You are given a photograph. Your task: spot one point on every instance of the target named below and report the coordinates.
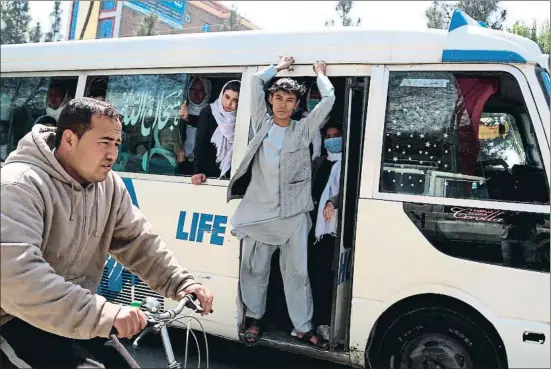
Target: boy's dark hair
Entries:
(55, 85)
(45, 119)
(77, 116)
(289, 86)
(234, 86)
(332, 124)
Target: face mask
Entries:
(312, 104)
(333, 145)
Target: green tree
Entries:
(233, 22)
(14, 21)
(439, 14)
(147, 26)
(36, 33)
(343, 9)
(540, 36)
(55, 17)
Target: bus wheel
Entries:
(435, 338)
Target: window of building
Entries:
(205, 27)
(188, 18)
(156, 139)
(26, 101)
(105, 28)
(460, 135)
(107, 6)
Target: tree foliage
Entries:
(36, 33)
(14, 22)
(147, 26)
(55, 18)
(343, 9)
(439, 14)
(540, 36)
(233, 22)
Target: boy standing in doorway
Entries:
(274, 181)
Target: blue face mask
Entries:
(312, 104)
(333, 145)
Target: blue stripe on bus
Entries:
(130, 188)
(481, 56)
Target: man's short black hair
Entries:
(289, 86)
(77, 116)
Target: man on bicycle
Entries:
(63, 211)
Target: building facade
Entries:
(108, 19)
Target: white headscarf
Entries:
(195, 108)
(54, 113)
(331, 189)
(222, 137)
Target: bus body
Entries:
(445, 165)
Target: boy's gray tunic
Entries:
(274, 180)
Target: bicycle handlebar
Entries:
(172, 313)
(155, 318)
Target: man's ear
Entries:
(297, 104)
(270, 99)
(69, 140)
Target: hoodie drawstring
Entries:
(96, 204)
(72, 215)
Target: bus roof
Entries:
(465, 41)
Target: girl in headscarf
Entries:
(215, 131)
(198, 97)
(326, 176)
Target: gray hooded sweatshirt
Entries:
(55, 238)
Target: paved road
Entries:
(224, 354)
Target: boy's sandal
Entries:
(320, 343)
(252, 332)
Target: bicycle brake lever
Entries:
(143, 333)
(193, 306)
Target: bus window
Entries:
(26, 101)
(468, 136)
(158, 132)
(461, 136)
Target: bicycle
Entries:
(157, 324)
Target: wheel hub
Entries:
(435, 351)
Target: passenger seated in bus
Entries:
(274, 180)
(46, 120)
(98, 89)
(57, 98)
(326, 174)
(214, 140)
(162, 158)
(198, 98)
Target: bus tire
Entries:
(435, 338)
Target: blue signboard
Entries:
(170, 12)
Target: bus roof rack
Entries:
(472, 41)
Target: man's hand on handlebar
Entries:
(203, 295)
(129, 322)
